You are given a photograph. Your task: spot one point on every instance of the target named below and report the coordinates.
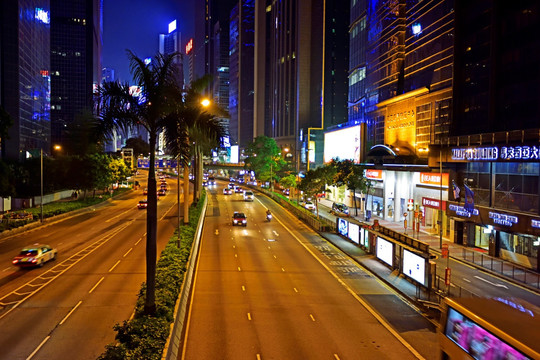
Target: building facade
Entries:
(25, 81)
(76, 31)
(241, 73)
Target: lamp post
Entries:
(440, 197)
(41, 166)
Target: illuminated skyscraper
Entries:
(76, 43)
(25, 90)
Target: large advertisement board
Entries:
(343, 144)
(385, 251)
(343, 227)
(354, 233)
(414, 266)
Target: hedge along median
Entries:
(144, 337)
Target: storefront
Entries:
(510, 236)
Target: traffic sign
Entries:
(447, 277)
(445, 251)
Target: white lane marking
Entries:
(6, 269)
(312, 318)
(282, 269)
(258, 356)
(128, 252)
(121, 214)
(271, 240)
(491, 283)
(275, 233)
(111, 269)
(71, 312)
(95, 286)
(467, 280)
(336, 357)
(249, 316)
(372, 311)
(243, 288)
(234, 246)
(295, 289)
(235, 255)
(39, 347)
(239, 269)
(138, 241)
(275, 257)
(217, 232)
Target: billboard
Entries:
(385, 251)
(414, 266)
(343, 227)
(343, 144)
(354, 233)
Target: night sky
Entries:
(136, 25)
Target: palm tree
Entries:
(119, 109)
(194, 127)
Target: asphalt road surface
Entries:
(276, 290)
(67, 308)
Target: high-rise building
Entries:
(25, 83)
(220, 91)
(171, 43)
(301, 61)
(241, 73)
(76, 43)
(108, 74)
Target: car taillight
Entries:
(34, 260)
(15, 261)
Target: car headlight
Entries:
(244, 221)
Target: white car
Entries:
(309, 205)
(248, 195)
(34, 255)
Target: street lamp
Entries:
(41, 202)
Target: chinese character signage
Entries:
(497, 153)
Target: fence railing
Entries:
(502, 267)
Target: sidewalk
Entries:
(472, 256)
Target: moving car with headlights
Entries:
(211, 181)
(162, 192)
(239, 218)
(248, 195)
(34, 255)
(238, 189)
(143, 204)
(227, 191)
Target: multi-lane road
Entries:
(67, 308)
(276, 290)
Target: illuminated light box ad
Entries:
(343, 144)
(385, 251)
(363, 237)
(414, 266)
(343, 227)
(354, 233)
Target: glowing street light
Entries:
(205, 102)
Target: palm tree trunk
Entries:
(151, 232)
(186, 194)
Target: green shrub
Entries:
(144, 336)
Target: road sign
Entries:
(447, 276)
(445, 251)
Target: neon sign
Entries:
(502, 219)
(461, 211)
(189, 46)
(493, 153)
(535, 223)
(42, 15)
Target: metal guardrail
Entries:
(174, 341)
(502, 267)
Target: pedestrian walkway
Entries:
(472, 256)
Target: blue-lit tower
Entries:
(25, 91)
